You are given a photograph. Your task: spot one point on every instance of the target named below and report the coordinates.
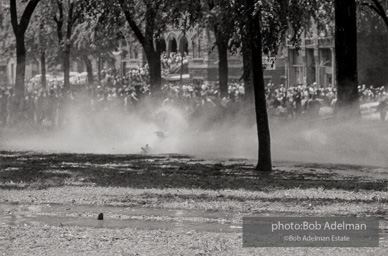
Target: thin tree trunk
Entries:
(347, 105)
(222, 48)
(43, 68)
(89, 69)
(99, 69)
(222, 41)
(146, 39)
(20, 74)
(19, 29)
(263, 132)
(182, 52)
(66, 67)
(247, 73)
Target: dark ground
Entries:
(171, 204)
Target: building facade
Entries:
(314, 62)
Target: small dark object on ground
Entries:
(100, 216)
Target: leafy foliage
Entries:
(372, 15)
(40, 36)
(282, 20)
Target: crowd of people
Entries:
(300, 100)
(134, 77)
(171, 64)
(127, 95)
(174, 63)
(50, 105)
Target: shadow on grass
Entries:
(21, 170)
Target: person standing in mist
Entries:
(382, 108)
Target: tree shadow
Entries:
(22, 170)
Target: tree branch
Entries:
(377, 8)
(60, 7)
(132, 23)
(59, 21)
(28, 11)
(382, 12)
(371, 6)
(70, 21)
(76, 16)
(14, 16)
(75, 11)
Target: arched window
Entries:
(183, 45)
(196, 42)
(173, 45)
(135, 53)
(195, 50)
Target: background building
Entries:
(314, 62)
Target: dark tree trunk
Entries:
(19, 29)
(99, 69)
(347, 105)
(222, 48)
(146, 39)
(154, 64)
(20, 74)
(254, 34)
(247, 73)
(89, 69)
(67, 45)
(64, 37)
(155, 71)
(66, 67)
(43, 68)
